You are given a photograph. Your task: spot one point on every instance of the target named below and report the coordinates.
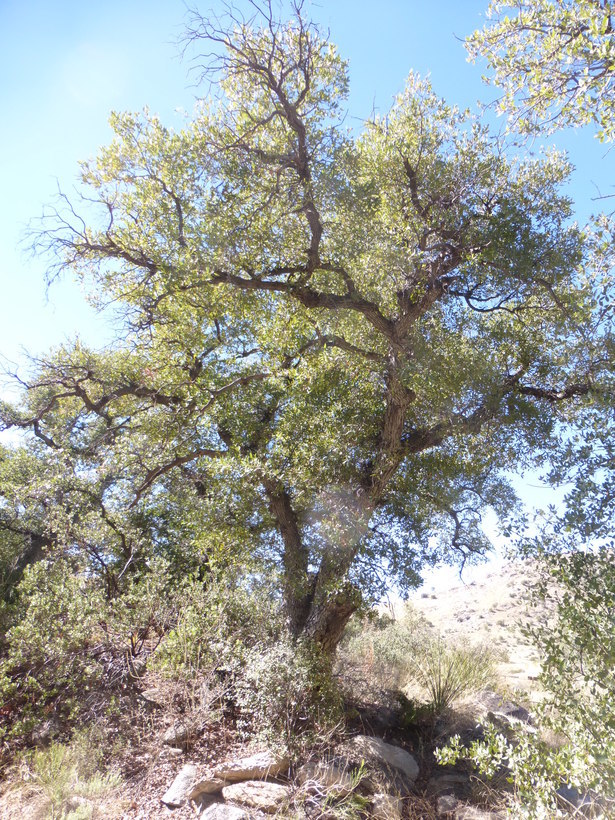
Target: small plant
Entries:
(447, 672)
(376, 650)
(287, 692)
(66, 781)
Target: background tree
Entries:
(336, 346)
(555, 62)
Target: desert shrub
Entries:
(391, 654)
(376, 649)
(575, 639)
(228, 652)
(73, 649)
(214, 624)
(64, 780)
(285, 690)
(447, 673)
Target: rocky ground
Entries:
(379, 767)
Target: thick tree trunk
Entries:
(328, 617)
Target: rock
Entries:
(257, 794)
(176, 735)
(373, 748)
(210, 785)
(181, 788)
(255, 767)
(446, 805)
(220, 811)
(327, 776)
(187, 786)
(474, 813)
(386, 807)
(507, 709)
(449, 783)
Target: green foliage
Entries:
(555, 62)
(576, 645)
(67, 781)
(72, 649)
(281, 689)
(392, 654)
(375, 651)
(287, 694)
(335, 349)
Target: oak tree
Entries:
(335, 346)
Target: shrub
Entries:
(448, 673)
(575, 640)
(73, 650)
(391, 654)
(286, 691)
(376, 649)
(65, 780)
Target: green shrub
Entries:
(65, 780)
(575, 638)
(448, 673)
(286, 692)
(376, 650)
(73, 650)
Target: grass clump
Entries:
(449, 673)
(65, 781)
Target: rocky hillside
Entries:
(490, 610)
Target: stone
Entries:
(220, 811)
(255, 767)
(449, 783)
(181, 788)
(386, 807)
(507, 709)
(376, 749)
(474, 813)
(326, 776)
(188, 786)
(176, 735)
(446, 805)
(210, 785)
(257, 794)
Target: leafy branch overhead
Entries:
(554, 61)
(346, 340)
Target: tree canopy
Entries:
(334, 346)
(554, 61)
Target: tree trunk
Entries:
(328, 617)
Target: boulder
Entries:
(176, 735)
(188, 786)
(255, 767)
(446, 805)
(220, 811)
(326, 776)
(181, 788)
(209, 785)
(257, 794)
(495, 704)
(374, 749)
(474, 813)
(386, 807)
(450, 783)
